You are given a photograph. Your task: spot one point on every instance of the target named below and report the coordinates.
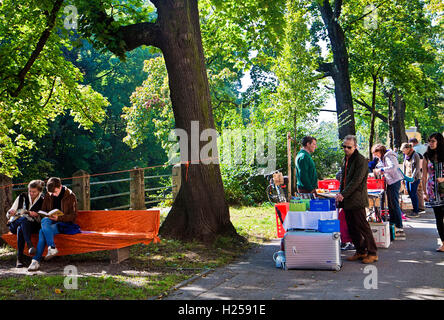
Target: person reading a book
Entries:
(61, 198)
(23, 218)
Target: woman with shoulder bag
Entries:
(433, 180)
(388, 165)
(412, 169)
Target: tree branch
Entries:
(369, 108)
(326, 12)
(38, 49)
(349, 25)
(326, 68)
(338, 7)
(50, 93)
(138, 34)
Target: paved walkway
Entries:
(409, 269)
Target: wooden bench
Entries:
(114, 231)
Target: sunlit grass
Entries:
(167, 263)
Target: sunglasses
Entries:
(348, 147)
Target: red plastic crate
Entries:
(373, 183)
(283, 208)
(329, 184)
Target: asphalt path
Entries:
(409, 269)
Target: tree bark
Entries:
(5, 202)
(373, 118)
(399, 135)
(390, 117)
(339, 68)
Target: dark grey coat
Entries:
(354, 190)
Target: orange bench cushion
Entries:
(104, 230)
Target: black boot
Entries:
(20, 263)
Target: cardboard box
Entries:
(374, 202)
(381, 233)
(406, 203)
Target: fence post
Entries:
(5, 201)
(81, 188)
(176, 179)
(137, 189)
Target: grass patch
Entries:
(167, 264)
(88, 288)
(257, 224)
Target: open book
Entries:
(54, 212)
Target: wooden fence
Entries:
(139, 195)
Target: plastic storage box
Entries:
(329, 184)
(298, 206)
(329, 226)
(373, 183)
(320, 205)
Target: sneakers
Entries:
(34, 266)
(31, 251)
(413, 215)
(399, 234)
(370, 259)
(357, 256)
(347, 246)
(51, 253)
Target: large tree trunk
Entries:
(373, 118)
(200, 210)
(390, 119)
(5, 202)
(399, 135)
(339, 69)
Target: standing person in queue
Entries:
(353, 197)
(306, 176)
(433, 181)
(412, 169)
(420, 149)
(393, 176)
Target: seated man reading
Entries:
(62, 198)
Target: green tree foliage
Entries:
(38, 83)
(395, 46)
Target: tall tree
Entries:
(199, 210)
(339, 68)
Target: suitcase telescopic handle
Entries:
(279, 215)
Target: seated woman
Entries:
(23, 218)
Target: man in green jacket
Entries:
(306, 176)
(353, 197)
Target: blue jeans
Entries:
(393, 204)
(46, 237)
(23, 228)
(412, 188)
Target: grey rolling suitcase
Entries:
(312, 250)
